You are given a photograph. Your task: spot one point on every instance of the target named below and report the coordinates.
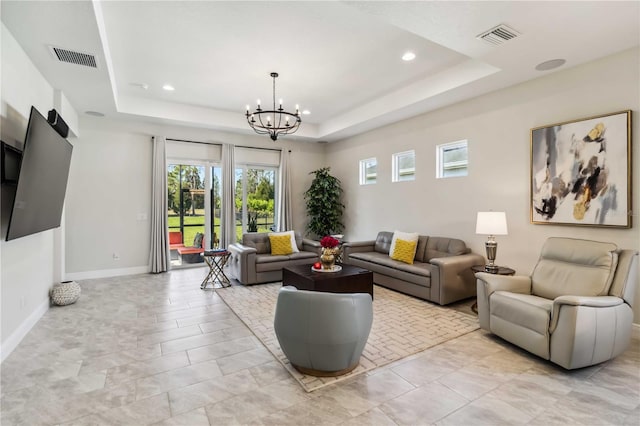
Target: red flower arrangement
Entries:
(329, 242)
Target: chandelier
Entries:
(273, 122)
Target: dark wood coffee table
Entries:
(350, 280)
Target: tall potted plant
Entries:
(324, 205)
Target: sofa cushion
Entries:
(421, 249)
(269, 258)
(443, 247)
(258, 241)
(303, 255)
(404, 251)
(383, 242)
(417, 268)
(584, 268)
(280, 244)
(383, 274)
(525, 310)
(175, 237)
(276, 263)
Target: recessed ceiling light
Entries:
(408, 56)
(306, 112)
(168, 88)
(143, 86)
(549, 65)
(94, 113)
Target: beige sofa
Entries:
(251, 261)
(441, 271)
(574, 310)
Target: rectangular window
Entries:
(452, 159)
(368, 171)
(404, 166)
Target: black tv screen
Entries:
(42, 180)
(11, 158)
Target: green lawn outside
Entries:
(190, 231)
(174, 221)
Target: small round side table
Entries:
(502, 270)
(216, 259)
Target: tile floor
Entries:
(155, 349)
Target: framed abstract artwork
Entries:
(581, 172)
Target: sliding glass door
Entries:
(193, 214)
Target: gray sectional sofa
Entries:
(441, 271)
(251, 261)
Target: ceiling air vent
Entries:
(498, 35)
(64, 55)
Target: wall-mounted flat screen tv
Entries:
(42, 180)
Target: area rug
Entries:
(402, 326)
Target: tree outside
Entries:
(260, 202)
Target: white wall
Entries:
(497, 127)
(28, 263)
(110, 184)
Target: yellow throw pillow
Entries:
(292, 234)
(404, 251)
(280, 244)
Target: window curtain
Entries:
(159, 255)
(228, 218)
(285, 216)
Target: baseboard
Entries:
(106, 273)
(16, 337)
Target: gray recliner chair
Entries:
(323, 334)
(574, 310)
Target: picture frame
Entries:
(580, 172)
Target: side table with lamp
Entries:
(491, 224)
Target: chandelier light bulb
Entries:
(258, 102)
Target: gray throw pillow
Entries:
(197, 241)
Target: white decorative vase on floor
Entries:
(65, 293)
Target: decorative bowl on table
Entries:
(336, 268)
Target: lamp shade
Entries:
(491, 223)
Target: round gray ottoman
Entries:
(65, 293)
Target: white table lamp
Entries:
(491, 224)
